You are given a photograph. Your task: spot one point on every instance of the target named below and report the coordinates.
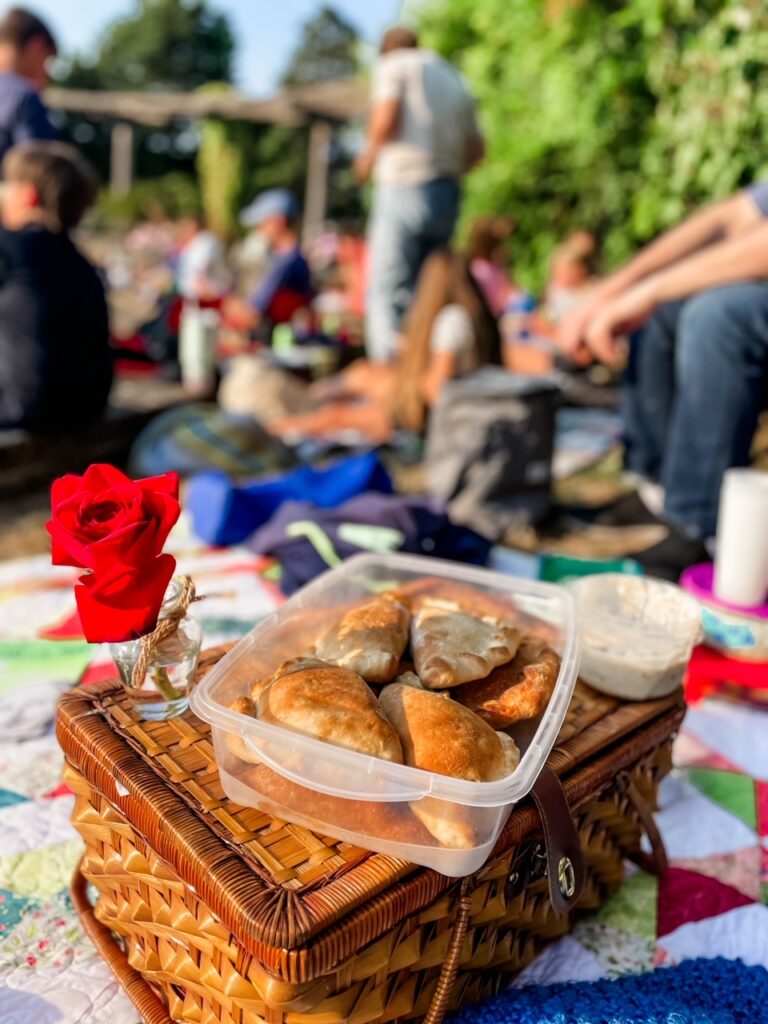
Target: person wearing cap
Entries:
(423, 136)
(286, 287)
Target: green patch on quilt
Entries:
(11, 909)
(633, 908)
(36, 661)
(40, 874)
(734, 792)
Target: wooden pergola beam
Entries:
(317, 107)
(333, 101)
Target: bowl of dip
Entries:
(636, 634)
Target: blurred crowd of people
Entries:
(396, 313)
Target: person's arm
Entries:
(475, 147)
(383, 120)
(740, 258)
(442, 367)
(728, 218)
(382, 126)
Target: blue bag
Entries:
(224, 512)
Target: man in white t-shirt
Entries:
(423, 136)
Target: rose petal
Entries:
(67, 549)
(135, 545)
(123, 603)
(100, 476)
(163, 511)
(168, 483)
(64, 487)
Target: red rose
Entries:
(104, 516)
(123, 603)
(115, 526)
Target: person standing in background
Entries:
(26, 46)
(202, 279)
(423, 136)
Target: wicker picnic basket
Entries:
(211, 913)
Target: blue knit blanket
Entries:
(694, 992)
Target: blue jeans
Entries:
(407, 224)
(695, 385)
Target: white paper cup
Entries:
(741, 560)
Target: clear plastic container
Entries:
(636, 634)
(352, 796)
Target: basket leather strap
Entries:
(655, 862)
(565, 864)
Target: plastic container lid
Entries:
(339, 773)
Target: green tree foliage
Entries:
(166, 44)
(616, 115)
(328, 50)
(221, 165)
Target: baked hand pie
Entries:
(441, 736)
(331, 704)
(460, 597)
(369, 639)
(286, 669)
(452, 647)
(517, 691)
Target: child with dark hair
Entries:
(55, 358)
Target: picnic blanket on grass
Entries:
(714, 819)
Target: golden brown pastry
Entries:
(444, 737)
(516, 691)
(369, 639)
(456, 596)
(451, 647)
(331, 704)
(236, 743)
(286, 669)
(392, 821)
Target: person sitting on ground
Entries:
(698, 370)
(529, 330)
(26, 46)
(489, 260)
(449, 332)
(571, 275)
(286, 288)
(55, 358)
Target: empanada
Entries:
(444, 737)
(286, 669)
(334, 705)
(517, 691)
(369, 639)
(460, 597)
(452, 647)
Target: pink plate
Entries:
(698, 580)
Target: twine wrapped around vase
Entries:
(164, 629)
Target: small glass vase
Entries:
(164, 691)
